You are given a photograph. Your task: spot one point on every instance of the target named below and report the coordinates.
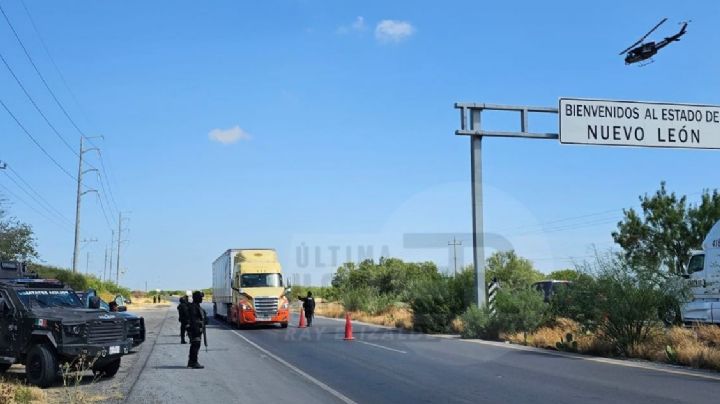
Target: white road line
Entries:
(658, 367)
(380, 346)
(313, 380)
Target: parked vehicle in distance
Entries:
(136, 324)
(248, 288)
(703, 274)
(549, 287)
(44, 324)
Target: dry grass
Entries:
(16, 392)
(399, 317)
(147, 303)
(331, 309)
(698, 347)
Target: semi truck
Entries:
(248, 288)
(703, 274)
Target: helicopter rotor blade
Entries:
(653, 29)
(630, 47)
(644, 36)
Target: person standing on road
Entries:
(308, 307)
(182, 309)
(197, 320)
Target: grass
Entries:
(395, 316)
(697, 347)
(13, 391)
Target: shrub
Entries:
(357, 299)
(434, 304)
(478, 323)
(520, 310)
(623, 306)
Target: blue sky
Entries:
(338, 125)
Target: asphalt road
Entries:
(385, 365)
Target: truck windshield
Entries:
(49, 298)
(260, 280)
(697, 263)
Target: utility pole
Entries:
(119, 242)
(112, 253)
(78, 199)
(103, 277)
(454, 244)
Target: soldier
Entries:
(308, 307)
(197, 320)
(182, 309)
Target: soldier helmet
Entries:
(198, 295)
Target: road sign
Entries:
(645, 124)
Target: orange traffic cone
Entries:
(348, 328)
(302, 319)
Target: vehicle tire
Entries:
(108, 369)
(41, 366)
(284, 325)
(4, 367)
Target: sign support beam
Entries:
(474, 111)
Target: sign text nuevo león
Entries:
(629, 123)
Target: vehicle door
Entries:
(8, 325)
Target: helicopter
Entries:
(647, 50)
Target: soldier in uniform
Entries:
(308, 307)
(182, 309)
(197, 320)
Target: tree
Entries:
(564, 275)
(511, 270)
(17, 242)
(667, 230)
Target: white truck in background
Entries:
(703, 274)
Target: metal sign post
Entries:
(594, 122)
(474, 111)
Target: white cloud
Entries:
(228, 136)
(393, 31)
(357, 26)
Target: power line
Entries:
(52, 93)
(32, 101)
(24, 202)
(52, 60)
(63, 169)
(42, 78)
(107, 180)
(37, 197)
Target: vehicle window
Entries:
(49, 298)
(260, 280)
(697, 263)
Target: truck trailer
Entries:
(703, 274)
(248, 288)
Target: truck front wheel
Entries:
(41, 366)
(108, 369)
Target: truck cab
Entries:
(703, 277)
(256, 292)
